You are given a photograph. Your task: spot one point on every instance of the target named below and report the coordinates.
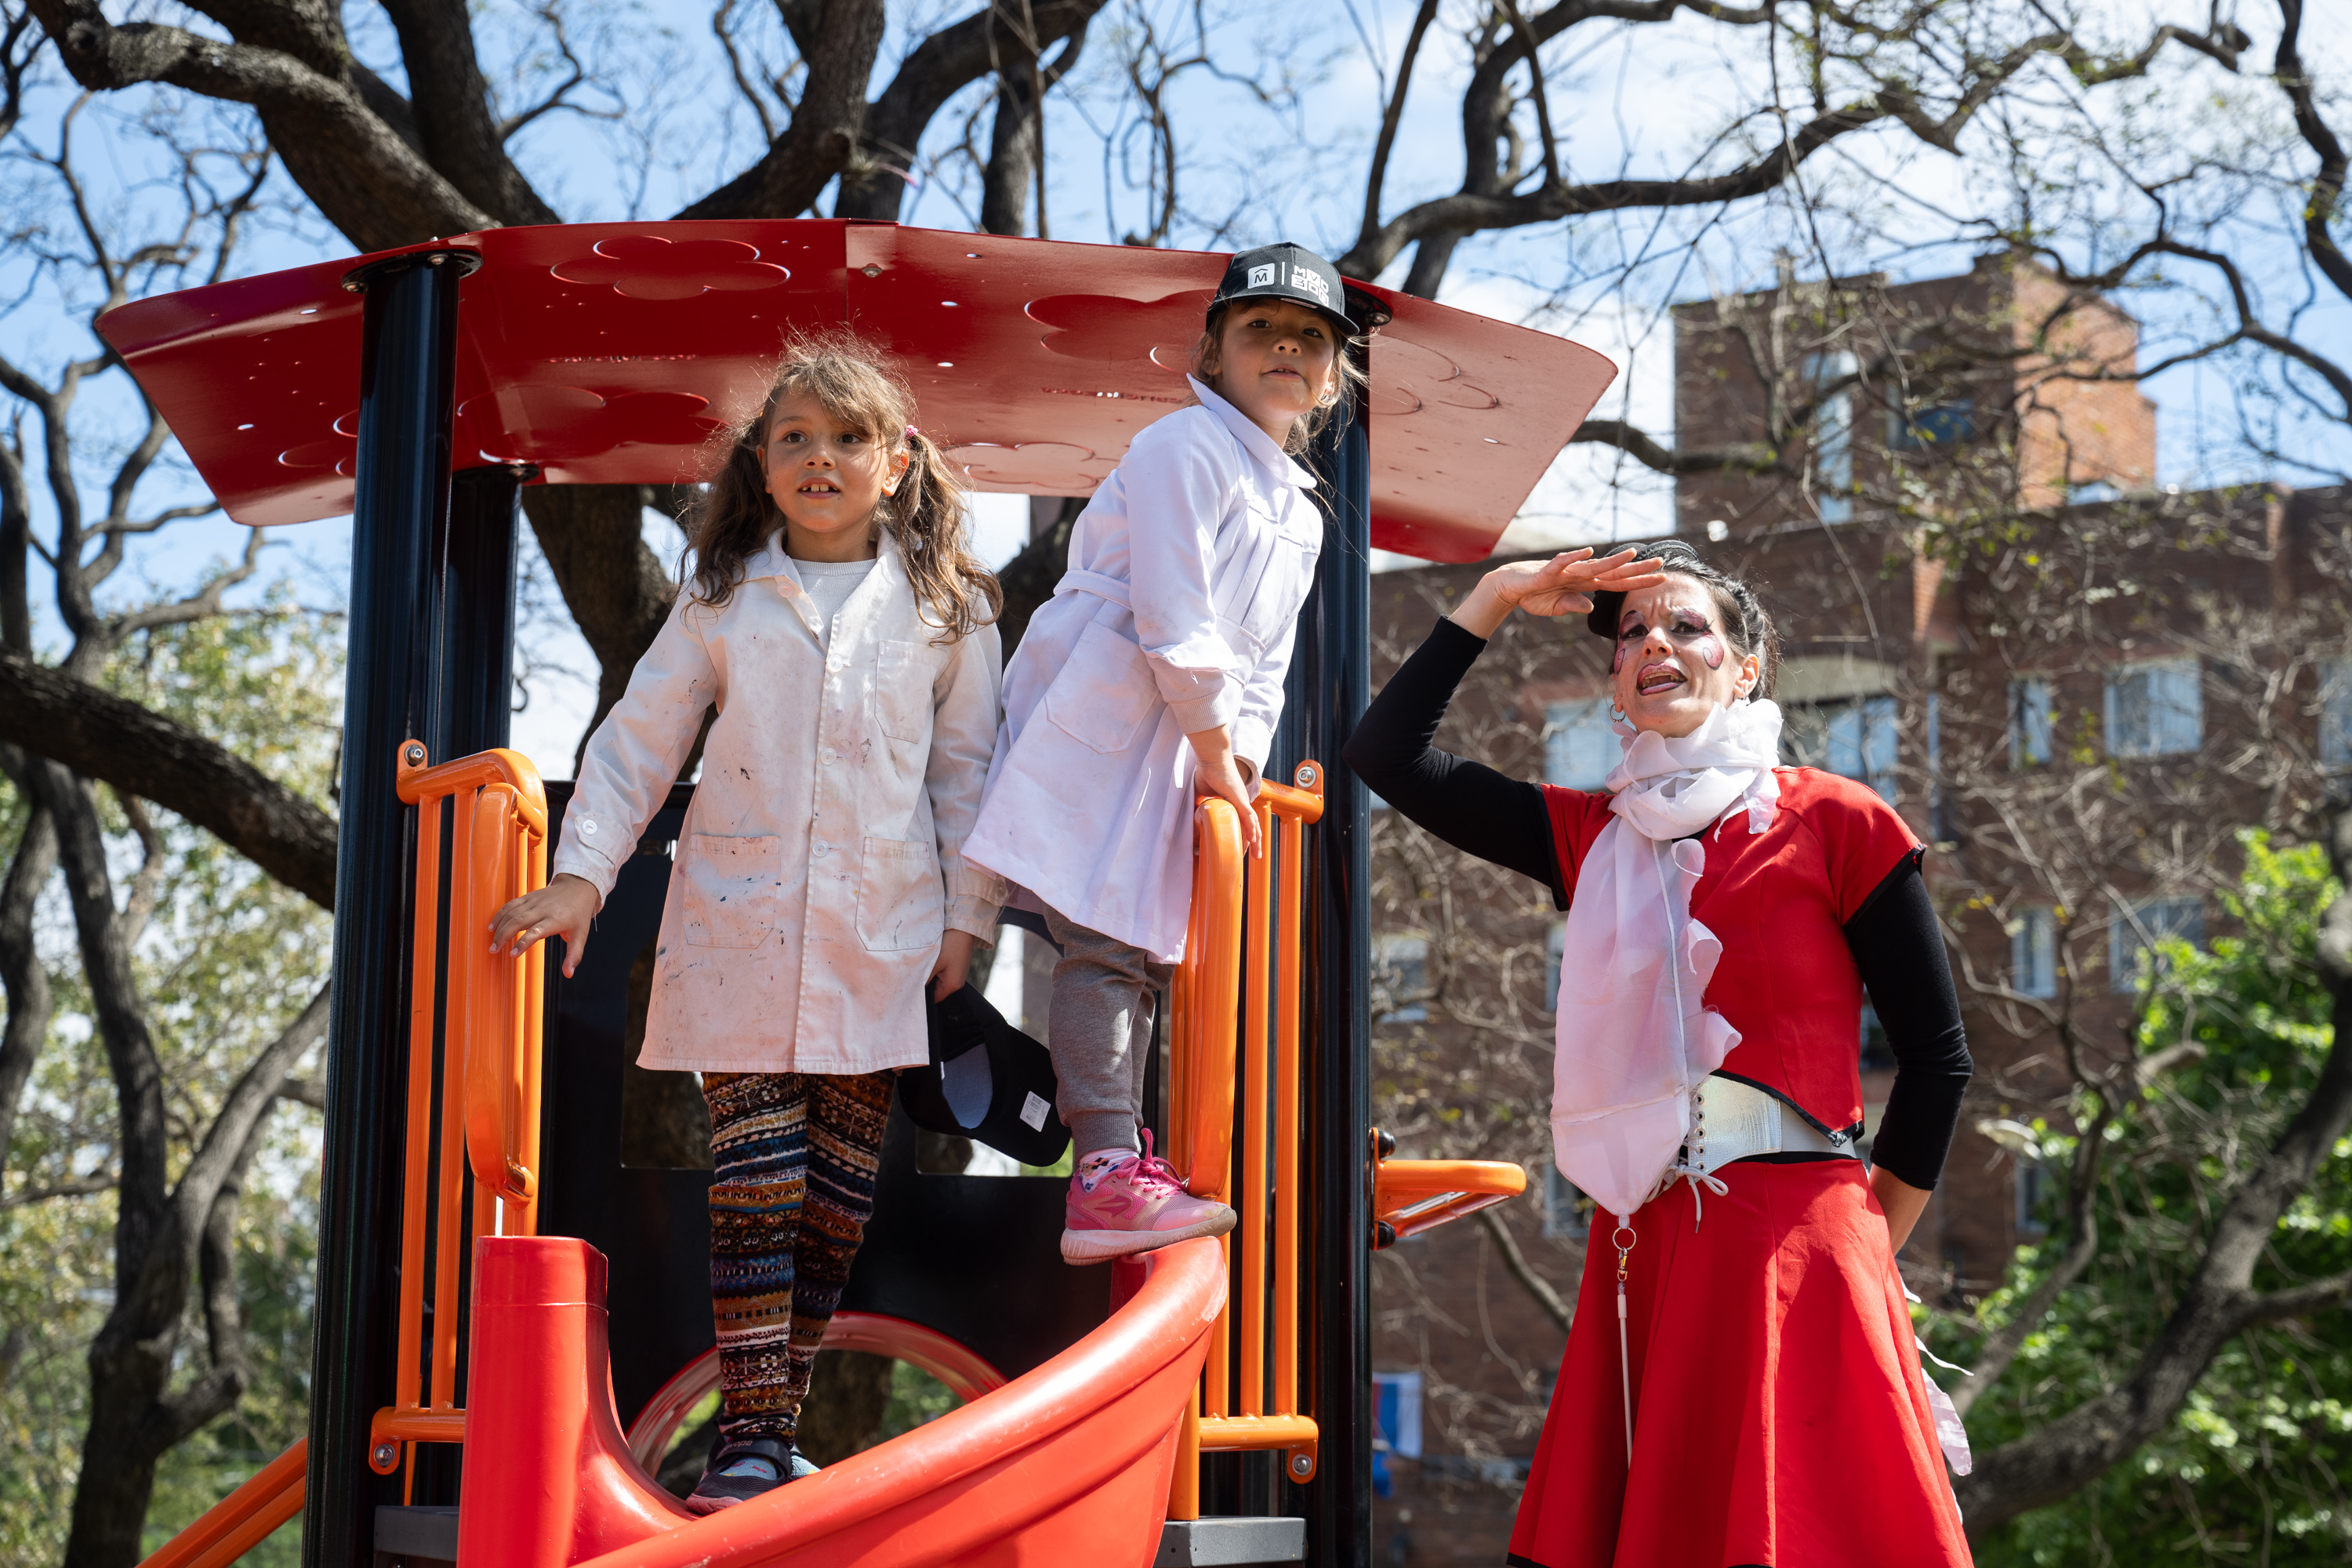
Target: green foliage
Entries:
(226, 960)
(2254, 1469)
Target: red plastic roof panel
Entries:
(609, 353)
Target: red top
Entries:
(1779, 900)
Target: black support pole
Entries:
(477, 611)
(1329, 684)
(406, 371)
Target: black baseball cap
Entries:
(986, 1081)
(1286, 273)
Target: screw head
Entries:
(1301, 1465)
(1307, 774)
(385, 1454)
(415, 755)
(871, 270)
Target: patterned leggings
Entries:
(795, 1156)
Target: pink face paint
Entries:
(1695, 632)
(1630, 632)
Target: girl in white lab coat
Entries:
(1155, 674)
(846, 637)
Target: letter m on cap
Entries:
(1259, 276)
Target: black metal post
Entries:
(477, 609)
(407, 374)
(1329, 684)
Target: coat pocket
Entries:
(727, 889)
(1104, 693)
(901, 906)
(902, 689)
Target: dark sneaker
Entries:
(742, 1472)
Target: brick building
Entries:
(2075, 687)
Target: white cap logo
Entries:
(1260, 276)
(1300, 278)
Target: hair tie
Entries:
(913, 434)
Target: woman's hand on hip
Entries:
(1562, 585)
(566, 907)
(953, 967)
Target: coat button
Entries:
(587, 825)
(818, 847)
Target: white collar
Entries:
(1279, 465)
(771, 560)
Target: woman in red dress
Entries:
(1761, 1405)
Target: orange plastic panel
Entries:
(1069, 1464)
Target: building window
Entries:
(2034, 1190)
(1396, 1424)
(2034, 952)
(1580, 744)
(1877, 1056)
(2336, 713)
(1853, 738)
(1400, 978)
(2155, 710)
(2029, 713)
(1934, 429)
(1833, 437)
(2139, 928)
(1566, 1212)
(1555, 945)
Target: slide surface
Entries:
(1069, 1464)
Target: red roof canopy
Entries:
(607, 352)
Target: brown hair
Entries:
(1348, 377)
(1746, 625)
(732, 516)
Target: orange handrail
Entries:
(243, 1520)
(487, 1049)
(1235, 1038)
(1409, 1196)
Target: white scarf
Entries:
(1633, 1039)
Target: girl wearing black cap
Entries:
(1154, 674)
(1741, 1386)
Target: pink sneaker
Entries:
(1122, 1204)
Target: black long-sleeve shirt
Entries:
(1898, 947)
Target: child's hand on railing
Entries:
(564, 907)
(954, 964)
(1220, 774)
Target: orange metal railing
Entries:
(486, 1050)
(1234, 1018)
(241, 1520)
(473, 1058)
(1235, 1039)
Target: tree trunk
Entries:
(612, 581)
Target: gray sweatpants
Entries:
(1099, 1030)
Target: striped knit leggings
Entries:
(795, 1155)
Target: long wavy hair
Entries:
(732, 516)
(1348, 378)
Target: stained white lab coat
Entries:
(1186, 575)
(821, 859)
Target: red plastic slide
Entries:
(1067, 1465)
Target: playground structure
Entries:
(1206, 1403)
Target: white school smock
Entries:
(1186, 575)
(821, 859)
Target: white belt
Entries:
(1734, 1121)
(1095, 583)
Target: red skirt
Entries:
(1779, 1415)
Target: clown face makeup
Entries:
(1671, 666)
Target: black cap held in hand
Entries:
(986, 1081)
(1286, 273)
